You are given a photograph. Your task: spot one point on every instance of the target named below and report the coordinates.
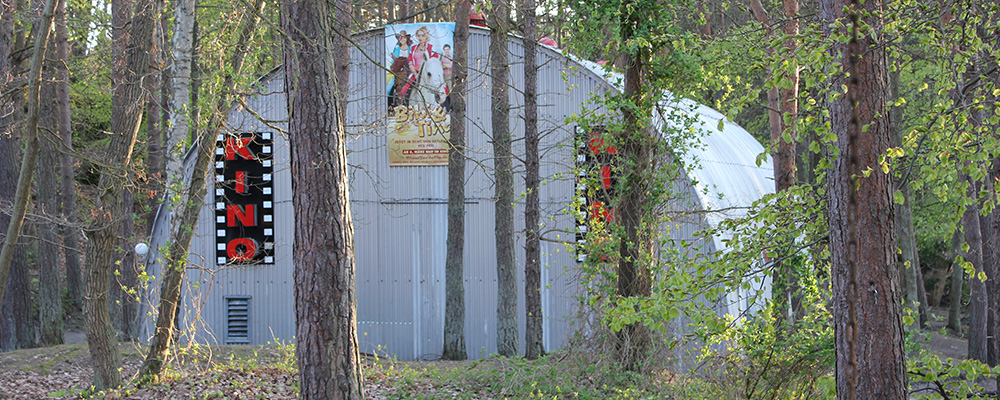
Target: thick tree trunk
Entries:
(507, 336)
(102, 233)
(15, 307)
(866, 301)
(325, 293)
(532, 209)
(30, 148)
(50, 312)
(454, 308)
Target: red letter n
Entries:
(247, 218)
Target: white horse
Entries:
(430, 85)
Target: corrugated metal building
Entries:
(400, 213)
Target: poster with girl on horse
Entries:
(419, 60)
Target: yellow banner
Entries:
(418, 136)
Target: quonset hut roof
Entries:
(723, 166)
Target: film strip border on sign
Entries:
(594, 160)
(244, 198)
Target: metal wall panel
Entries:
(400, 215)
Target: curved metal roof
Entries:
(723, 166)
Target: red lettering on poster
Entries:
(599, 212)
(241, 181)
(605, 177)
(233, 148)
(247, 217)
(596, 145)
(249, 249)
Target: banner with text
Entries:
(419, 58)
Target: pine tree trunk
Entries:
(532, 209)
(108, 212)
(67, 179)
(15, 308)
(325, 291)
(454, 308)
(30, 148)
(155, 169)
(633, 211)
(507, 336)
(50, 313)
(866, 303)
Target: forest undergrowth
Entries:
(269, 372)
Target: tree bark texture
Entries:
(50, 312)
(67, 179)
(866, 301)
(325, 292)
(957, 278)
(634, 211)
(192, 194)
(454, 269)
(30, 156)
(992, 270)
(977, 288)
(16, 331)
(103, 230)
(15, 307)
(155, 167)
(533, 347)
(507, 337)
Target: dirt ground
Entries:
(243, 372)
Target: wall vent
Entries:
(237, 319)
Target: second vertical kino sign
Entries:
(244, 199)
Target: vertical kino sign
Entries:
(244, 199)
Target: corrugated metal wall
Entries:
(400, 212)
(400, 216)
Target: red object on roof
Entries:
(476, 18)
(547, 41)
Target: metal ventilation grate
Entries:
(237, 319)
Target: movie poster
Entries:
(419, 58)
